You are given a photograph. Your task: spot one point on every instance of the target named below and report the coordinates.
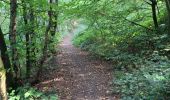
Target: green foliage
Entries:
(118, 30)
(35, 27)
(29, 93)
(150, 81)
(121, 32)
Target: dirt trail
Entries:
(76, 75)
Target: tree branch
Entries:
(138, 24)
(147, 2)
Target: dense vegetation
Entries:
(28, 34)
(133, 34)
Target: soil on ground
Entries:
(77, 75)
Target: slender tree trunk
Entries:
(54, 25)
(44, 55)
(55, 20)
(48, 29)
(168, 10)
(12, 37)
(27, 37)
(3, 93)
(154, 15)
(5, 59)
(32, 37)
(46, 42)
(168, 5)
(44, 51)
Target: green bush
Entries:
(149, 82)
(30, 93)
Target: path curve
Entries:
(77, 75)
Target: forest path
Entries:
(76, 75)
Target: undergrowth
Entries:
(141, 62)
(30, 93)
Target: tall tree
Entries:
(29, 21)
(46, 40)
(27, 37)
(54, 24)
(32, 35)
(12, 37)
(153, 4)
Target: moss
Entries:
(2, 70)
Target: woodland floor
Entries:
(76, 75)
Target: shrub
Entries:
(29, 93)
(149, 82)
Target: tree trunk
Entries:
(55, 20)
(32, 37)
(154, 15)
(44, 51)
(27, 37)
(54, 25)
(5, 58)
(12, 37)
(3, 93)
(46, 42)
(168, 10)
